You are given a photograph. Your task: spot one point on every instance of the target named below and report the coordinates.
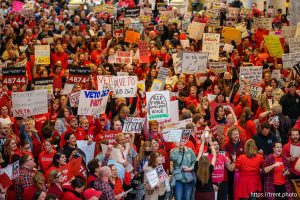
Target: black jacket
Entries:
(290, 105)
(265, 142)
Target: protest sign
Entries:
(194, 62)
(132, 37)
(245, 12)
(133, 125)
(74, 99)
(141, 85)
(143, 51)
(196, 30)
(158, 104)
(218, 67)
(243, 28)
(105, 82)
(211, 44)
(156, 85)
(12, 170)
(177, 135)
(263, 23)
(88, 149)
(110, 136)
(290, 59)
(297, 34)
(228, 47)
(253, 74)
(145, 18)
(29, 103)
(118, 33)
(294, 45)
(42, 54)
(175, 110)
(43, 84)
(230, 34)
(92, 102)
(155, 176)
(185, 43)
(72, 169)
(132, 12)
(255, 91)
(123, 57)
(162, 74)
(17, 6)
(79, 75)
(273, 45)
(125, 86)
(288, 32)
(67, 88)
(14, 75)
(233, 12)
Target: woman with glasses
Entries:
(58, 161)
(56, 180)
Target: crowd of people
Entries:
(247, 148)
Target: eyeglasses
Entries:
(58, 175)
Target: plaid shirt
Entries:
(24, 181)
(105, 188)
(269, 177)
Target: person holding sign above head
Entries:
(183, 165)
(158, 192)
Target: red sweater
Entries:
(45, 159)
(63, 57)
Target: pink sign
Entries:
(17, 6)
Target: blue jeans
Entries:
(183, 191)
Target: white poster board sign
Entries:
(92, 102)
(194, 62)
(125, 86)
(211, 44)
(158, 104)
(89, 150)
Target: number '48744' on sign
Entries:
(78, 79)
(14, 80)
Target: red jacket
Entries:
(29, 192)
(45, 159)
(70, 193)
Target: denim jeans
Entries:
(183, 191)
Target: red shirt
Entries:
(45, 159)
(96, 57)
(286, 152)
(278, 177)
(63, 57)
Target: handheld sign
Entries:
(125, 86)
(14, 75)
(156, 175)
(158, 104)
(79, 75)
(133, 125)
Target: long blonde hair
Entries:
(250, 148)
(203, 170)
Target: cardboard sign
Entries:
(211, 44)
(218, 67)
(294, 45)
(125, 86)
(255, 91)
(89, 150)
(263, 23)
(233, 12)
(288, 32)
(158, 104)
(30, 103)
(230, 34)
(105, 82)
(253, 74)
(67, 88)
(143, 52)
(92, 102)
(132, 37)
(273, 45)
(228, 47)
(196, 30)
(42, 54)
(132, 12)
(155, 176)
(194, 62)
(115, 154)
(14, 75)
(290, 59)
(12, 170)
(72, 169)
(177, 135)
(133, 125)
(162, 74)
(123, 57)
(74, 99)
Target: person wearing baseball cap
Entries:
(91, 194)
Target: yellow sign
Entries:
(42, 54)
(274, 46)
(230, 34)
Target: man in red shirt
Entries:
(96, 54)
(61, 56)
(291, 151)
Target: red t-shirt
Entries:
(218, 174)
(45, 160)
(278, 177)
